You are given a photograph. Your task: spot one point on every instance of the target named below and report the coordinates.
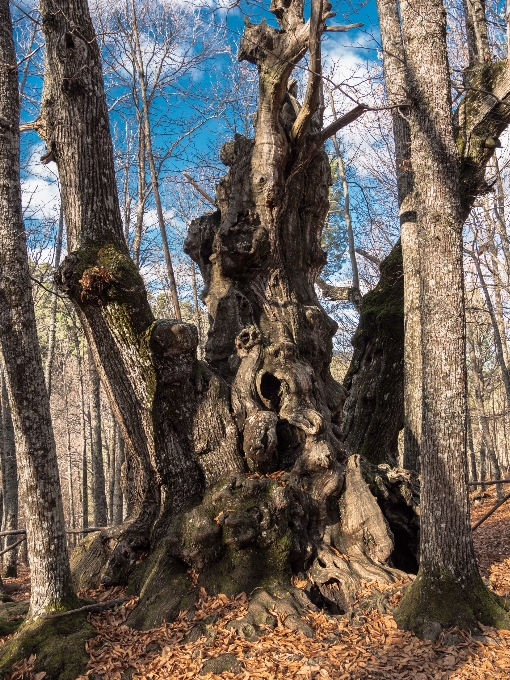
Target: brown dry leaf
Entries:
(298, 583)
(341, 651)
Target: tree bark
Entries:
(448, 589)
(9, 485)
(113, 453)
(35, 445)
(118, 499)
(98, 478)
(395, 80)
(480, 119)
(471, 448)
(485, 433)
(373, 413)
(54, 303)
(83, 427)
(98, 274)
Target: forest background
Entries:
(184, 70)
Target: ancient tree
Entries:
(235, 474)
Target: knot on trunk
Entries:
(174, 348)
(97, 274)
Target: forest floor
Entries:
(365, 645)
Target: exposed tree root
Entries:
(256, 534)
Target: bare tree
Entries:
(448, 589)
(35, 445)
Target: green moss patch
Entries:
(443, 599)
(12, 615)
(59, 646)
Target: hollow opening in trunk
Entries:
(270, 390)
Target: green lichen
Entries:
(223, 561)
(59, 646)
(450, 601)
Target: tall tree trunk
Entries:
(483, 115)
(498, 342)
(196, 309)
(98, 478)
(54, 303)
(347, 209)
(118, 497)
(142, 191)
(395, 80)
(471, 448)
(72, 518)
(142, 81)
(83, 426)
(448, 589)
(112, 468)
(35, 444)
(9, 484)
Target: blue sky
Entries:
(199, 154)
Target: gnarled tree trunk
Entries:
(234, 469)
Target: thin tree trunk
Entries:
(152, 165)
(35, 444)
(498, 343)
(499, 211)
(142, 191)
(83, 427)
(198, 323)
(471, 448)
(98, 478)
(395, 80)
(496, 276)
(54, 303)
(9, 485)
(347, 209)
(112, 469)
(118, 497)
(72, 518)
(485, 433)
(126, 193)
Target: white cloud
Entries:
(40, 192)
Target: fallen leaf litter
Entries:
(368, 646)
